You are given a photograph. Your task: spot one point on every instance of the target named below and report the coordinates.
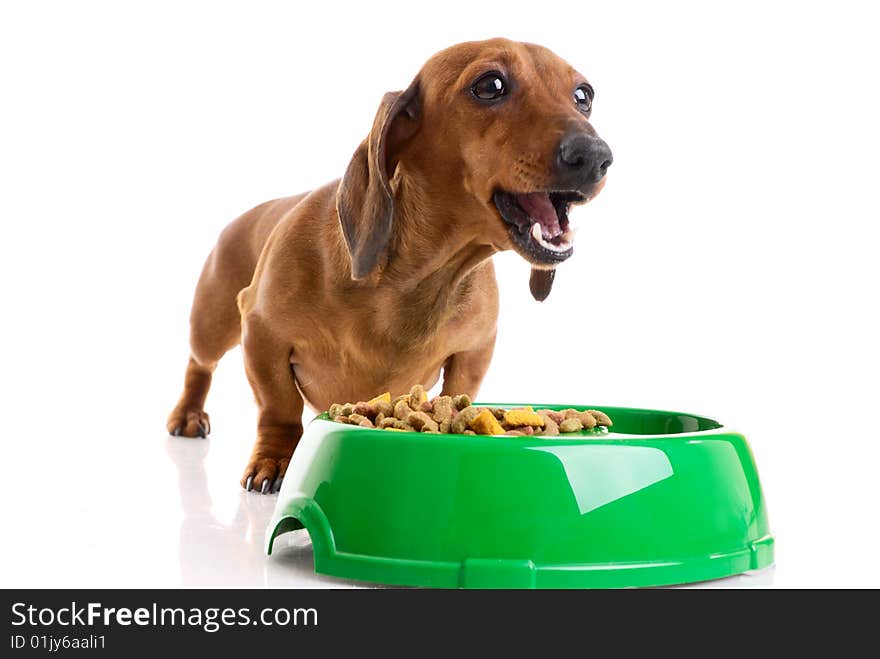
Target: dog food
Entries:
(456, 415)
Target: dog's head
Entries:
(502, 131)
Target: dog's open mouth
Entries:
(538, 223)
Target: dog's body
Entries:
(384, 278)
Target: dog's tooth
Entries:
(537, 234)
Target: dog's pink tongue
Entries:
(540, 209)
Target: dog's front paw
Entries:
(264, 474)
(189, 423)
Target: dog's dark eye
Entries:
(489, 87)
(583, 96)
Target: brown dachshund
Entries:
(384, 278)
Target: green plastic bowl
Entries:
(666, 498)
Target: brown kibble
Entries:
(427, 407)
(445, 427)
(384, 407)
(403, 425)
(365, 409)
(558, 417)
(422, 421)
(346, 409)
(402, 409)
(601, 418)
(463, 418)
(571, 424)
(387, 422)
(358, 420)
(498, 412)
(514, 432)
(468, 432)
(379, 418)
(461, 401)
(571, 413)
(335, 411)
(417, 396)
(443, 409)
(588, 420)
(527, 430)
(340, 419)
(404, 398)
(550, 425)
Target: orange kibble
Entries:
(485, 423)
(523, 417)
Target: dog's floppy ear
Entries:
(364, 200)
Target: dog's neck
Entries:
(433, 244)
(433, 253)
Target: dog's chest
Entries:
(389, 343)
(347, 366)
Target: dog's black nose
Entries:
(583, 159)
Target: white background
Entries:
(729, 268)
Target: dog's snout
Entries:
(583, 159)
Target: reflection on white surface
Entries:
(215, 553)
(606, 473)
(205, 542)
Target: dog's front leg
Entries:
(279, 424)
(464, 371)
